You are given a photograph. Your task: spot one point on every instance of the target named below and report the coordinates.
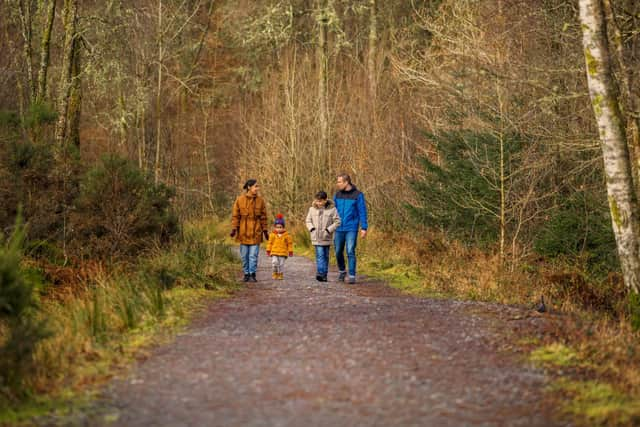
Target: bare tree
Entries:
(322, 62)
(45, 47)
(373, 48)
(70, 18)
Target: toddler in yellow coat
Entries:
(279, 247)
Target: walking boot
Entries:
(341, 276)
(252, 277)
(319, 277)
(246, 278)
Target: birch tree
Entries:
(623, 204)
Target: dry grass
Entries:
(103, 317)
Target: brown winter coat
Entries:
(249, 218)
(323, 221)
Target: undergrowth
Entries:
(101, 317)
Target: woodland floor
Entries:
(302, 353)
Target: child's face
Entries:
(279, 227)
(321, 202)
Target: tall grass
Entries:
(112, 313)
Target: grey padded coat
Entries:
(322, 222)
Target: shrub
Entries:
(20, 330)
(580, 228)
(460, 193)
(121, 211)
(30, 178)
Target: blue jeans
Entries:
(348, 239)
(322, 259)
(249, 256)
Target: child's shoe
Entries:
(274, 275)
(281, 276)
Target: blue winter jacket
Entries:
(352, 209)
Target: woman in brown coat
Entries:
(249, 227)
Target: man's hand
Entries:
(233, 233)
(363, 233)
(265, 233)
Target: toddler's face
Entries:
(321, 202)
(279, 227)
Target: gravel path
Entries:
(300, 353)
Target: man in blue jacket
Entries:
(352, 209)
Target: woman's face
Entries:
(253, 190)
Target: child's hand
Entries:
(268, 253)
(290, 254)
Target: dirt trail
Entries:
(300, 353)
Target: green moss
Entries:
(599, 403)
(24, 413)
(592, 63)
(615, 213)
(597, 105)
(555, 354)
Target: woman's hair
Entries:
(250, 183)
(345, 177)
(321, 195)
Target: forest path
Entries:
(301, 353)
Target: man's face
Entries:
(341, 183)
(254, 189)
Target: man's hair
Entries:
(321, 195)
(345, 177)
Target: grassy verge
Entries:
(101, 318)
(592, 353)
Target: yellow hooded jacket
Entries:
(280, 244)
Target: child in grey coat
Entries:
(322, 220)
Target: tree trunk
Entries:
(631, 109)
(75, 97)
(69, 13)
(41, 93)
(617, 166)
(373, 48)
(24, 8)
(156, 167)
(322, 61)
